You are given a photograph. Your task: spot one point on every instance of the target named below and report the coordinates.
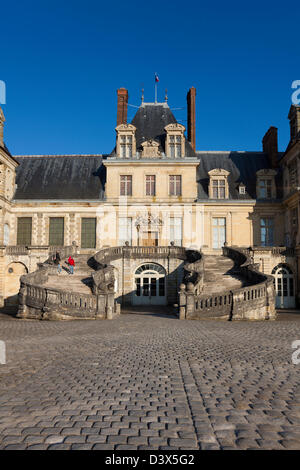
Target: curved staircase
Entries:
(79, 282)
(220, 275)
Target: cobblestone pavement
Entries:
(149, 382)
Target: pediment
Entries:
(125, 127)
(266, 172)
(175, 127)
(218, 172)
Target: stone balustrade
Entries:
(108, 254)
(253, 302)
(39, 301)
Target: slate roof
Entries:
(150, 121)
(83, 177)
(242, 167)
(73, 177)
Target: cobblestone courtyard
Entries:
(149, 382)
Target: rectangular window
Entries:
(175, 185)
(218, 189)
(176, 230)
(218, 232)
(126, 146)
(56, 231)
(267, 232)
(178, 146)
(265, 189)
(24, 230)
(125, 230)
(150, 185)
(126, 185)
(88, 232)
(172, 146)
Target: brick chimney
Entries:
(294, 117)
(122, 106)
(270, 146)
(191, 116)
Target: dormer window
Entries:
(175, 142)
(265, 184)
(265, 188)
(218, 184)
(242, 189)
(175, 146)
(126, 144)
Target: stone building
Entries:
(154, 189)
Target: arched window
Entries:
(284, 286)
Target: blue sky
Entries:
(63, 61)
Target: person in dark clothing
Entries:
(57, 262)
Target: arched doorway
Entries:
(284, 286)
(13, 273)
(149, 285)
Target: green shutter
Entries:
(56, 231)
(24, 231)
(88, 232)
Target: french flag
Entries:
(156, 78)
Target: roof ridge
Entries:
(229, 151)
(63, 155)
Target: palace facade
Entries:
(154, 189)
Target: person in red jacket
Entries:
(71, 263)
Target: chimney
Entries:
(191, 116)
(122, 106)
(294, 118)
(2, 120)
(270, 146)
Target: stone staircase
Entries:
(220, 275)
(80, 281)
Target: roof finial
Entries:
(142, 95)
(156, 80)
(166, 95)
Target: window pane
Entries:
(126, 185)
(161, 286)
(125, 230)
(176, 230)
(150, 185)
(88, 233)
(138, 286)
(153, 286)
(24, 230)
(56, 231)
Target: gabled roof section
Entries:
(67, 177)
